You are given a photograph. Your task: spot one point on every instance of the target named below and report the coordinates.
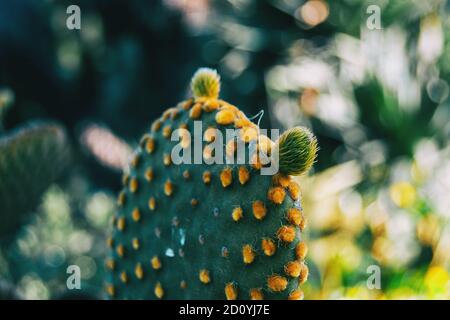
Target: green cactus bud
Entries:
(207, 231)
(297, 151)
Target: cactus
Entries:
(218, 231)
(31, 158)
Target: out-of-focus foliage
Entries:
(69, 230)
(378, 101)
(7, 291)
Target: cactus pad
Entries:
(209, 231)
(31, 158)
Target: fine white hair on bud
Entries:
(297, 151)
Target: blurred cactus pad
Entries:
(210, 231)
(31, 158)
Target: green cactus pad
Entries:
(31, 158)
(198, 231)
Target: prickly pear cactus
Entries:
(210, 231)
(31, 158)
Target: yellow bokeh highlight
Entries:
(436, 281)
(403, 194)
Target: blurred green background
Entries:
(376, 96)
